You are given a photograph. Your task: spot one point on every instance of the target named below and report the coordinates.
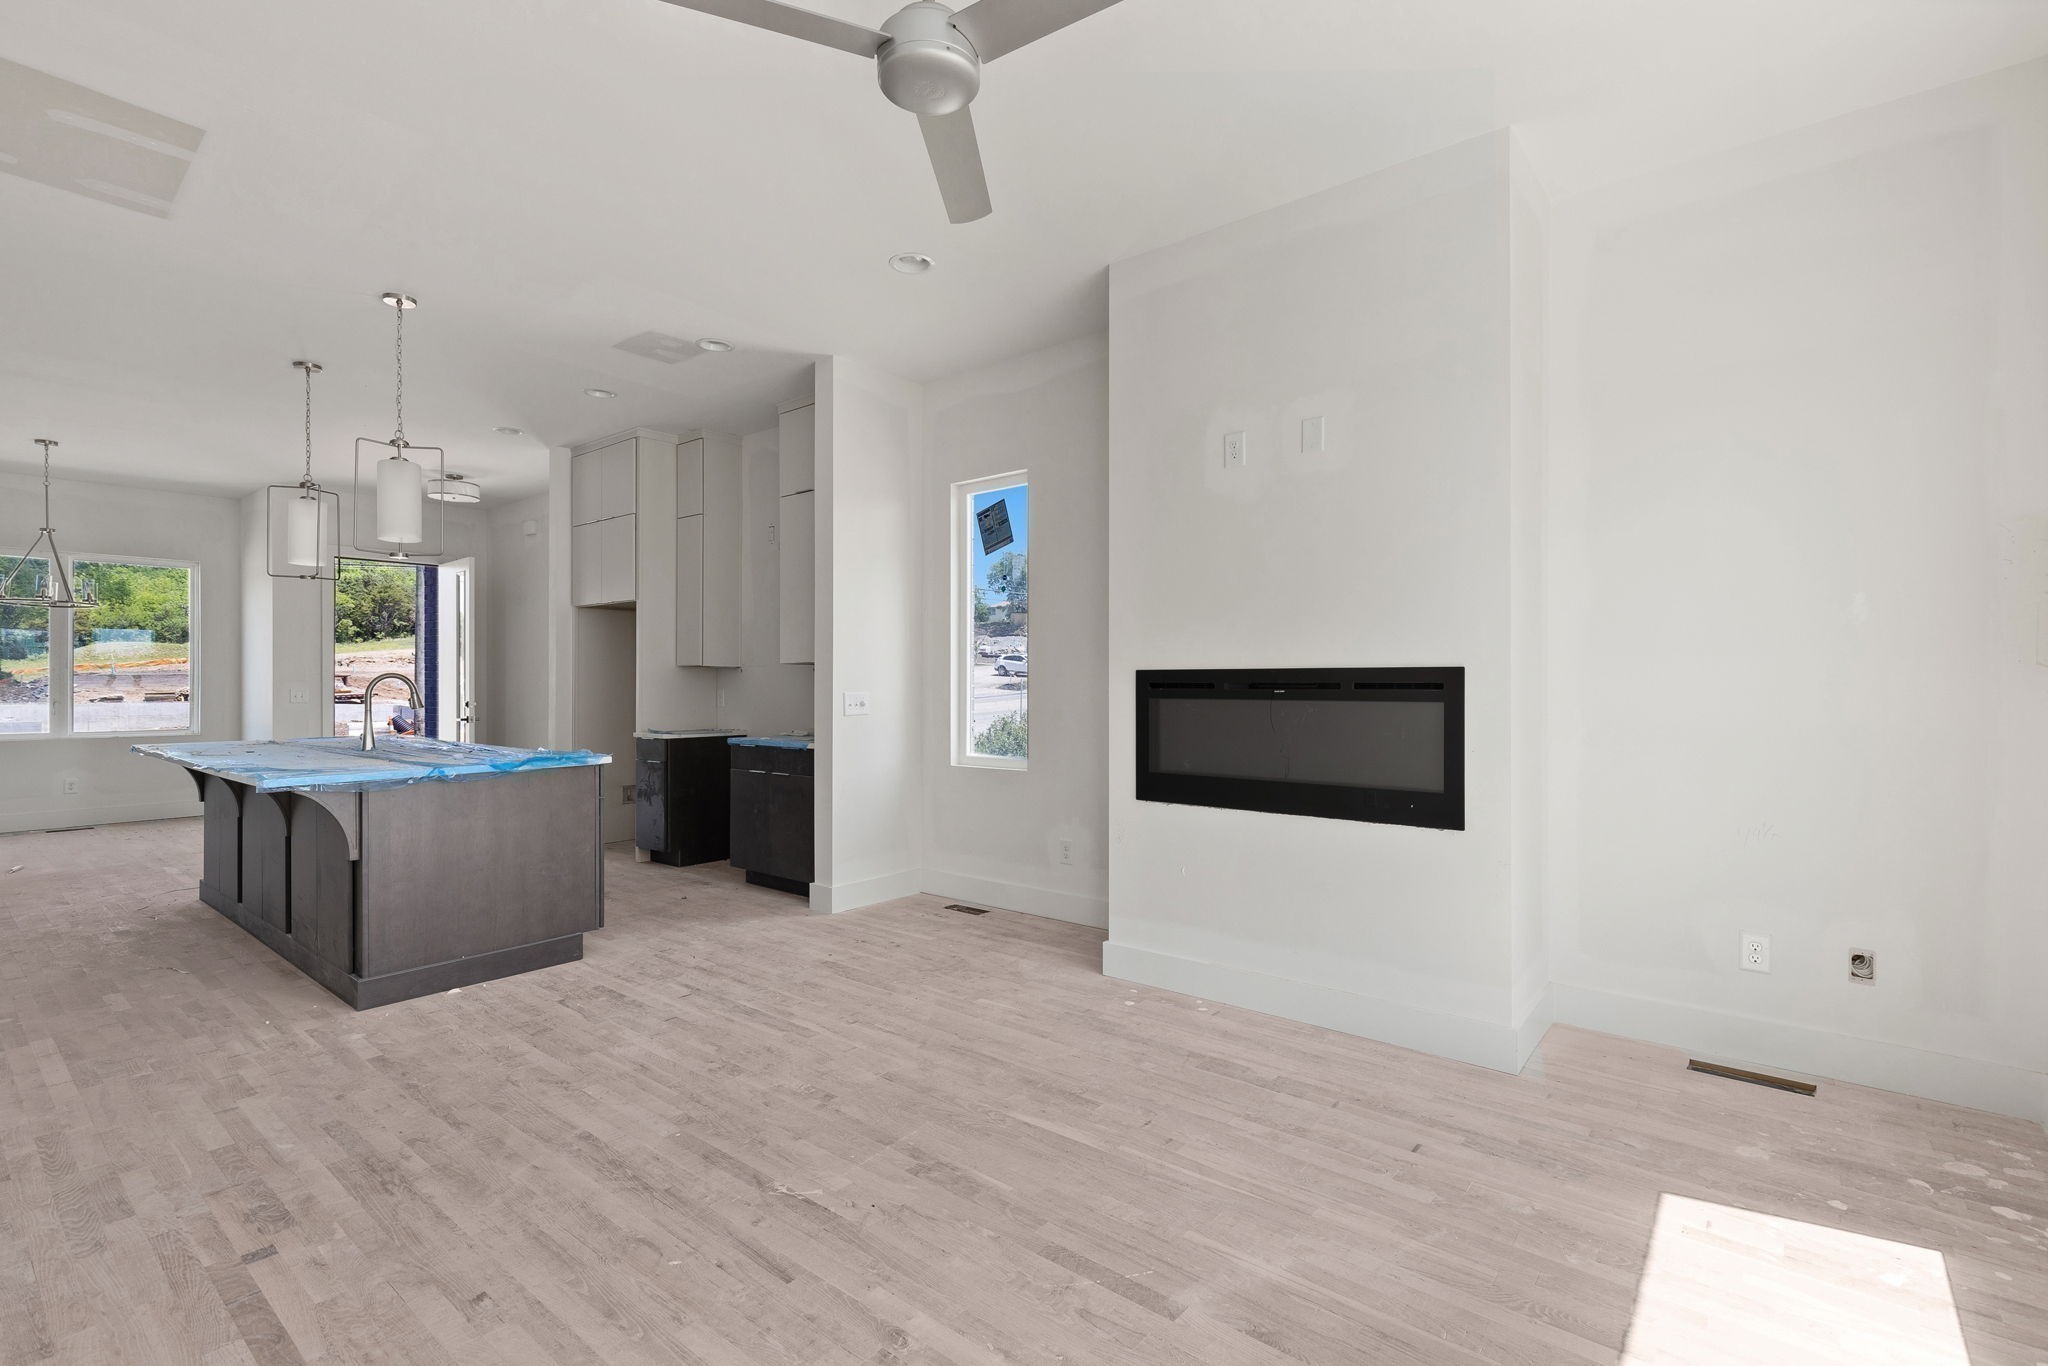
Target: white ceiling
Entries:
(553, 176)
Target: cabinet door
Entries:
(789, 826)
(690, 478)
(749, 817)
(796, 434)
(586, 566)
(797, 544)
(586, 488)
(618, 553)
(650, 796)
(621, 474)
(690, 591)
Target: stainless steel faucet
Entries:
(412, 694)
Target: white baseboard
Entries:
(835, 897)
(1723, 1037)
(1535, 1023)
(1448, 1036)
(1016, 896)
(96, 815)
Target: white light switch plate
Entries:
(855, 703)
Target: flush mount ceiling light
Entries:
(53, 589)
(304, 519)
(454, 489)
(713, 344)
(910, 262)
(601, 393)
(400, 480)
(508, 431)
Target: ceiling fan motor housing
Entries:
(928, 66)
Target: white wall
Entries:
(763, 695)
(514, 671)
(106, 519)
(1382, 306)
(869, 767)
(993, 836)
(1800, 562)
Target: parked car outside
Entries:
(1011, 666)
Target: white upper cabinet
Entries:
(603, 495)
(708, 527)
(797, 544)
(603, 482)
(797, 441)
(601, 558)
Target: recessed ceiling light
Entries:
(508, 431)
(910, 262)
(713, 344)
(600, 393)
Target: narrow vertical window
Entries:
(993, 621)
(24, 654)
(131, 656)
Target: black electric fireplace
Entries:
(1385, 745)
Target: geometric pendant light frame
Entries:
(400, 476)
(304, 519)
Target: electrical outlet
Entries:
(855, 703)
(772, 533)
(1756, 953)
(627, 791)
(1311, 435)
(70, 786)
(1233, 450)
(1066, 851)
(298, 694)
(1862, 966)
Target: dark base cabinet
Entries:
(771, 815)
(681, 799)
(391, 893)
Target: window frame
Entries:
(961, 633)
(61, 648)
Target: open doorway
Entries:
(409, 619)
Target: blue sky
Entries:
(1020, 527)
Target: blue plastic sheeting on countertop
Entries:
(338, 764)
(774, 741)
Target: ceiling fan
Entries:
(928, 58)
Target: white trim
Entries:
(1072, 907)
(30, 821)
(835, 898)
(1778, 1045)
(959, 634)
(1458, 1037)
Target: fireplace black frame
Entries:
(1387, 806)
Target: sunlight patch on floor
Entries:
(1726, 1285)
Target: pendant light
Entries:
(304, 519)
(53, 590)
(399, 484)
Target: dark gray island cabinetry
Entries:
(417, 867)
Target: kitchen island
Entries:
(413, 868)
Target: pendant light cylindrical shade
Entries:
(302, 532)
(399, 515)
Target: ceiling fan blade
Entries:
(999, 26)
(956, 160)
(796, 23)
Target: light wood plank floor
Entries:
(737, 1133)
